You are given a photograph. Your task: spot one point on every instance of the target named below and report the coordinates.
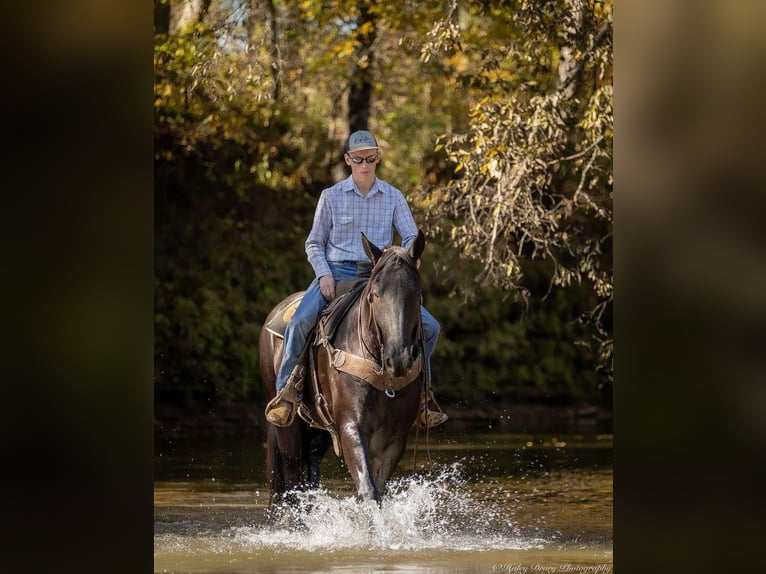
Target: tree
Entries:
(360, 86)
(253, 101)
(533, 170)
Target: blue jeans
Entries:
(305, 317)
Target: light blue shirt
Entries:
(343, 213)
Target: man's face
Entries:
(367, 162)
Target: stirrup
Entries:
(280, 403)
(288, 398)
(427, 417)
(431, 419)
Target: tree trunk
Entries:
(161, 16)
(360, 88)
(276, 54)
(569, 68)
(190, 13)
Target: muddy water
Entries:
(483, 503)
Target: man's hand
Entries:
(327, 287)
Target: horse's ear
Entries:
(371, 249)
(417, 247)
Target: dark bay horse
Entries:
(381, 330)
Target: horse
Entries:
(363, 376)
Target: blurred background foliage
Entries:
(494, 119)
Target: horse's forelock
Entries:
(393, 257)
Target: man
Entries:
(360, 203)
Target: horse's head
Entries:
(393, 296)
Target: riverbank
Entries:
(180, 421)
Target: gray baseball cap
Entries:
(361, 140)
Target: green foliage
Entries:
(533, 170)
(493, 351)
(471, 87)
(228, 208)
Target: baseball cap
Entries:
(361, 140)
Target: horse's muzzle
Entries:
(400, 363)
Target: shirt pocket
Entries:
(380, 233)
(344, 230)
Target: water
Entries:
(485, 503)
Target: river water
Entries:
(484, 502)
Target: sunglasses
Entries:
(368, 159)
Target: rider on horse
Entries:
(362, 203)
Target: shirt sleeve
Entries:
(316, 242)
(404, 223)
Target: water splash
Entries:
(435, 511)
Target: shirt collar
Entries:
(349, 185)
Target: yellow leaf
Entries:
(365, 29)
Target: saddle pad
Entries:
(283, 313)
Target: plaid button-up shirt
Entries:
(342, 213)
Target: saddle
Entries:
(346, 292)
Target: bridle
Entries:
(376, 352)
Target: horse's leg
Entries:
(274, 466)
(385, 460)
(317, 444)
(289, 440)
(354, 447)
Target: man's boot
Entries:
(280, 411)
(427, 417)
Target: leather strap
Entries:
(370, 372)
